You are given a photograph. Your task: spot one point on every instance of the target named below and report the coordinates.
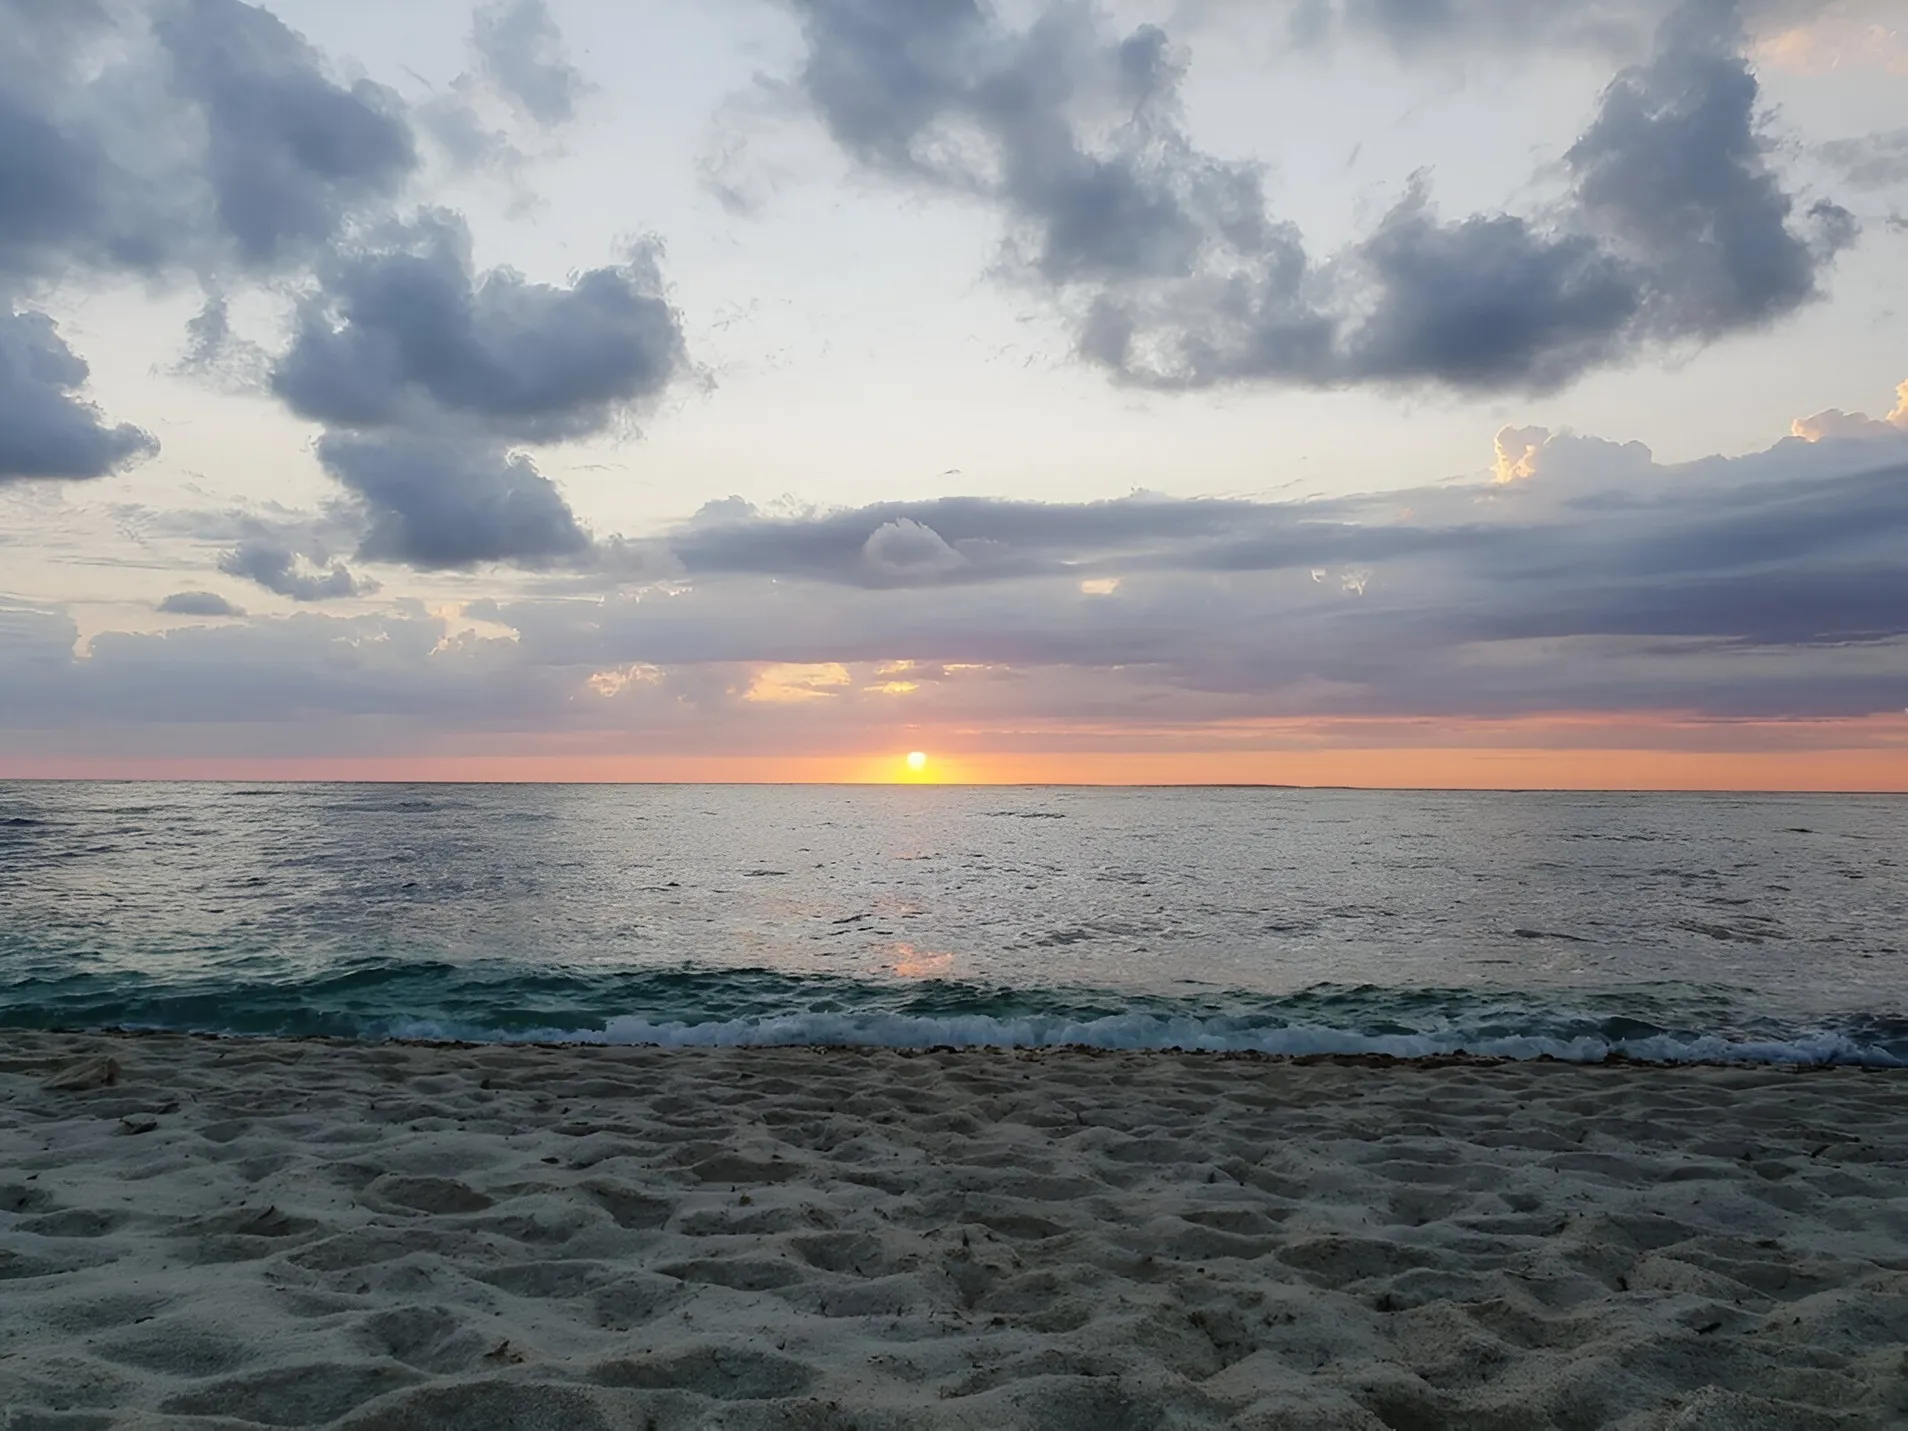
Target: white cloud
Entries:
(907, 548)
(1836, 424)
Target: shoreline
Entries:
(1457, 1058)
(317, 1231)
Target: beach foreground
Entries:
(307, 1233)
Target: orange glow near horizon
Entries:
(1559, 750)
(1879, 769)
(915, 768)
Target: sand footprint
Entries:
(436, 1196)
(721, 1373)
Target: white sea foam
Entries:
(1150, 1031)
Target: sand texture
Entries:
(202, 1233)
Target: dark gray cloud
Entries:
(175, 140)
(289, 152)
(942, 92)
(441, 501)
(296, 574)
(1411, 27)
(206, 140)
(403, 329)
(1487, 303)
(199, 603)
(1873, 161)
(1414, 29)
(46, 428)
(48, 196)
(423, 371)
(70, 193)
(1180, 275)
(964, 541)
(522, 53)
(45, 32)
(1761, 587)
(184, 135)
(1674, 172)
(1766, 526)
(1594, 518)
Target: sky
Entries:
(1372, 392)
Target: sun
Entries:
(917, 760)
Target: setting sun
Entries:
(917, 760)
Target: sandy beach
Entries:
(207, 1233)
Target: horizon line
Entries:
(6, 780)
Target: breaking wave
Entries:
(728, 1008)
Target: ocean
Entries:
(1760, 928)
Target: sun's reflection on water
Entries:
(912, 963)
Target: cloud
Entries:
(295, 681)
(292, 573)
(289, 152)
(1819, 37)
(1517, 449)
(438, 501)
(172, 141)
(46, 428)
(904, 549)
(403, 330)
(1598, 579)
(199, 603)
(1762, 587)
(522, 74)
(214, 350)
(1483, 304)
(70, 189)
(184, 135)
(1178, 274)
(1442, 29)
(1873, 161)
(1835, 424)
(975, 540)
(1527, 452)
(205, 141)
(453, 122)
(1766, 586)
(1674, 173)
(794, 684)
(1410, 27)
(522, 53)
(425, 371)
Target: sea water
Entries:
(1768, 928)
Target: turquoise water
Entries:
(1768, 928)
